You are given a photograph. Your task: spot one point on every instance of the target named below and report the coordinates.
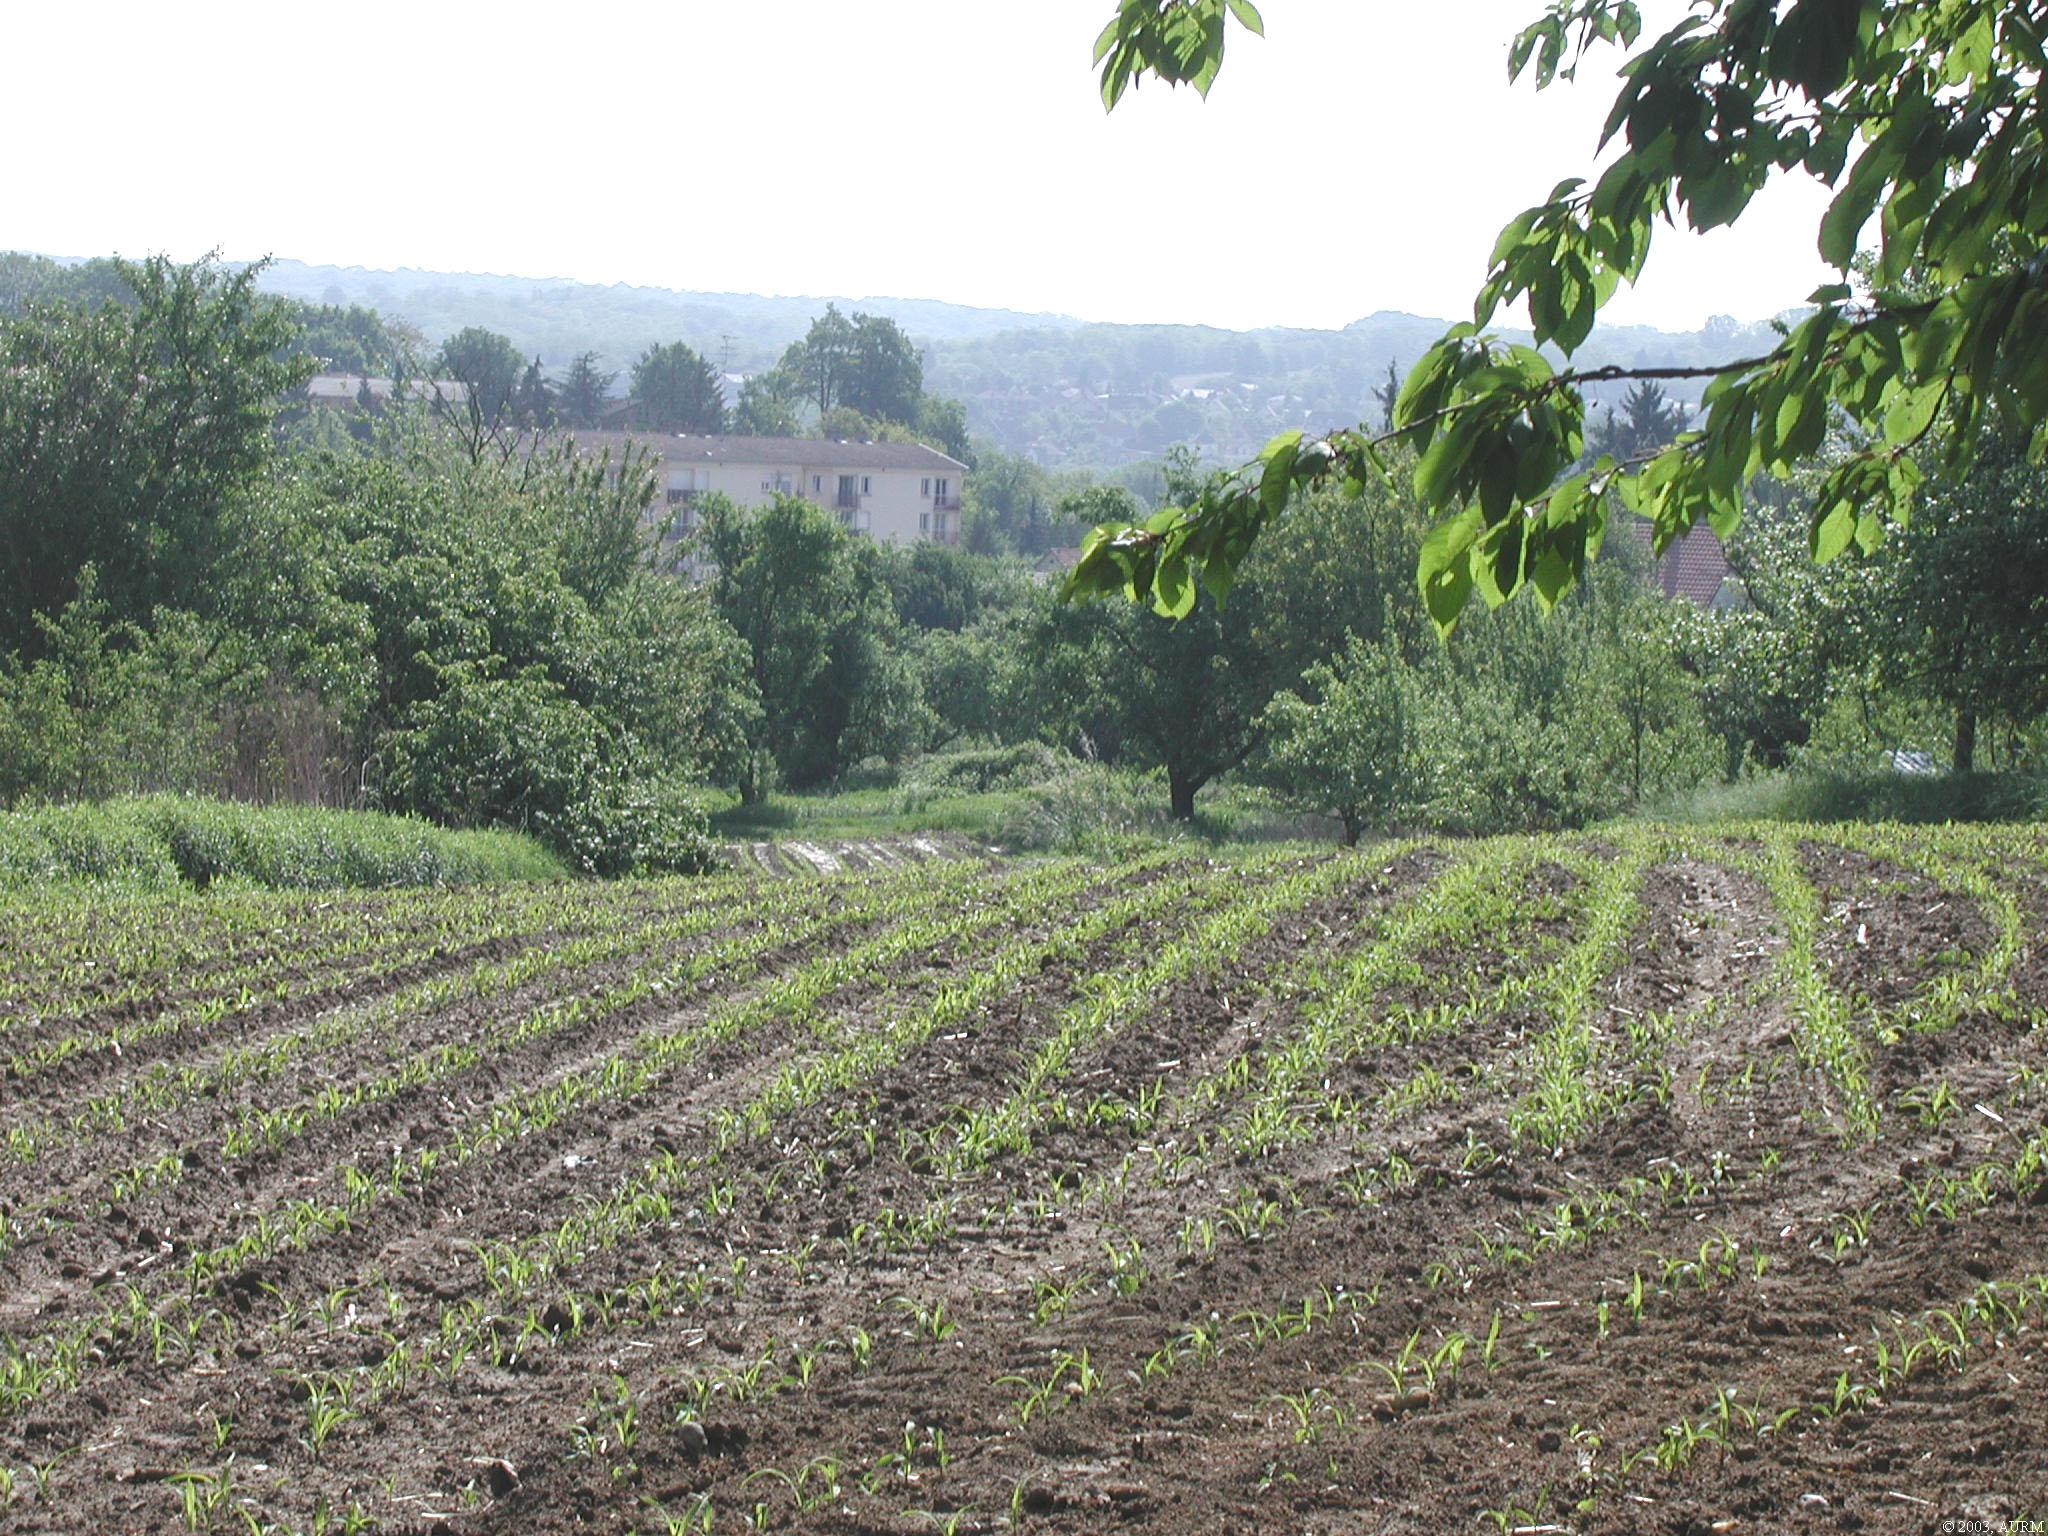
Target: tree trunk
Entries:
(753, 785)
(1353, 823)
(1966, 740)
(1183, 790)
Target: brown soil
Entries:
(1137, 1316)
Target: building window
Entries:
(866, 486)
(924, 486)
(817, 485)
(924, 522)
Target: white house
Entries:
(901, 493)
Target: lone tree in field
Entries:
(1921, 113)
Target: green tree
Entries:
(943, 424)
(1352, 739)
(125, 431)
(347, 339)
(488, 365)
(886, 379)
(1962, 587)
(812, 606)
(818, 367)
(678, 391)
(584, 391)
(1925, 116)
(936, 587)
(766, 407)
(533, 401)
(1187, 696)
(1649, 420)
(1650, 705)
(1767, 671)
(866, 364)
(1341, 562)
(1387, 394)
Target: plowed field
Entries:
(1645, 1181)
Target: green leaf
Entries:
(1853, 206)
(1833, 531)
(1443, 570)
(1173, 590)
(1277, 482)
(1248, 17)
(1512, 234)
(1911, 412)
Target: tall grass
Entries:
(1819, 796)
(161, 842)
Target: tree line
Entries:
(201, 590)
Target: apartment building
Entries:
(899, 493)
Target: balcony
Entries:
(945, 503)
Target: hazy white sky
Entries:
(1362, 157)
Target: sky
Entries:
(1362, 157)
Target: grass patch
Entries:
(854, 814)
(1066, 807)
(164, 842)
(1837, 797)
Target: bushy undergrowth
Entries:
(519, 752)
(1836, 797)
(1092, 808)
(977, 770)
(165, 841)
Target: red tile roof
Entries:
(1693, 568)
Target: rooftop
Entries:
(792, 452)
(1694, 568)
(348, 387)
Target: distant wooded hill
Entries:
(1064, 392)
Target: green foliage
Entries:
(1828, 796)
(162, 842)
(479, 637)
(125, 430)
(519, 752)
(766, 407)
(943, 424)
(675, 390)
(812, 604)
(1936, 105)
(977, 770)
(346, 339)
(1649, 420)
(1180, 42)
(489, 365)
(935, 586)
(1962, 595)
(1184, 696)
(29, 281)
(1654, 733)
(1351, 740)
(866, 364)
(581, 395)
(533, 400)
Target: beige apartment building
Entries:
(899, 493)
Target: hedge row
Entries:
(163, 841)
